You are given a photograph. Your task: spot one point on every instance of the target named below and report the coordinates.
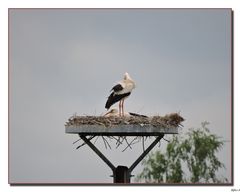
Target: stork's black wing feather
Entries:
(117, 88)
(114, 98)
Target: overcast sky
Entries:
(64, 61)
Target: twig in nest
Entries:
(166, 140)
(131, 143)
(80, 145)
(127, 143)
(136, 141)
(104, 142)
(112, 137)
(119, 142)
(107, 143)
(76, 141)
(146, 138)
(96, 139)
(98, 123)
(84, 142)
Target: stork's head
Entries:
(129, 79)
(126, 76)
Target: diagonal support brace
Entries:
(121, 174)
(139, 159)
(98, 152)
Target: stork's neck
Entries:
(130, 82)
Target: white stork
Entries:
(120, 92)
(114, 113)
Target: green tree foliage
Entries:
(189, 159)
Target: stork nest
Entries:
(169, 120)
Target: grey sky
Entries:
(64, 61)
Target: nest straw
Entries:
(170, 120)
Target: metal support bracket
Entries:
(121, 174)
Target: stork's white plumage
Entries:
(120, 92)
(112, 113)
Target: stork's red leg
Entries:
(120, 108)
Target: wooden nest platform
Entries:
(124, 126)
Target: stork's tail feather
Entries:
(110, 101)
(107, 106)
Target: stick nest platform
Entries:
(169, 120)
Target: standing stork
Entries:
(120, 92)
